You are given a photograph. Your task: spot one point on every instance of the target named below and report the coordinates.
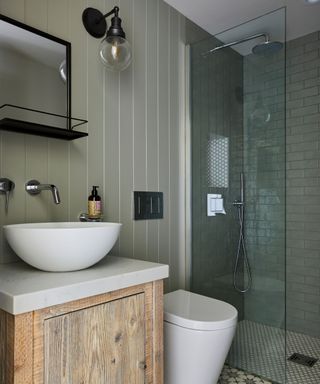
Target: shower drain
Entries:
(303, 359)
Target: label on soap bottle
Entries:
(94, 209)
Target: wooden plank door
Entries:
(103, 344)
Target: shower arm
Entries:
(265, 35)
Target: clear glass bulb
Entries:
(115, 53)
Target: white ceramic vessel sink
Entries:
(62, 247)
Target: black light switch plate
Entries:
(148, 205)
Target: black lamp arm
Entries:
(114, 11)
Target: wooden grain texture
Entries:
(157, 333)
(148, 334)
(23, 348)
(16, 348)
(147, 364)
(6, 347)
(101, 344)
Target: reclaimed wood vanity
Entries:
(102, 325)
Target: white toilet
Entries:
(198, 333)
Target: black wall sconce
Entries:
(114, 50)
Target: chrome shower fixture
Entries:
(265, 46)
(241, 250)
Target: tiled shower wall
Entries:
(303, 184)
(264, 169)
(216, 99)
(263, 160)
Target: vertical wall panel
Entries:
(12, 167)
(126, 140)
(95, 110)
(13, 8)
(36, 14)
(78, 180)
(164, 129)
(174, 150)
(58, 150)
(58, 17)
(37, 169)
(139, 119)
(152, 147)
(37, 147)
(112, 143)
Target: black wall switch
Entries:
(148, 205)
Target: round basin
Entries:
(62, 247)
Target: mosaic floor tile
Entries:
(261, 349)
(231, 375)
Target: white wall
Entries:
(134, 120)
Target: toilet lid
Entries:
(190, 310)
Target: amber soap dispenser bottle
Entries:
(94, 204)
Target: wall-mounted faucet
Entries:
(33, 187)
(6, 186)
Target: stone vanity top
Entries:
(24, 289)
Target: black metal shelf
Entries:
(20, 126)
(30, 128)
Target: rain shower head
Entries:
(267, 46)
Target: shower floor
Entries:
(231, 375)
(259, 349)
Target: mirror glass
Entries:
(34, 74)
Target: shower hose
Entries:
(241, 249)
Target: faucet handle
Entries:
(32, 187)
(6, 186)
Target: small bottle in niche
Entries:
(94, 204)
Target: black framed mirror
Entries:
(35, 81)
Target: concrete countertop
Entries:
(24, 288)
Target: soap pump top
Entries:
(94, 203)
(94, 192)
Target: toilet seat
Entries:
(193, 311)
